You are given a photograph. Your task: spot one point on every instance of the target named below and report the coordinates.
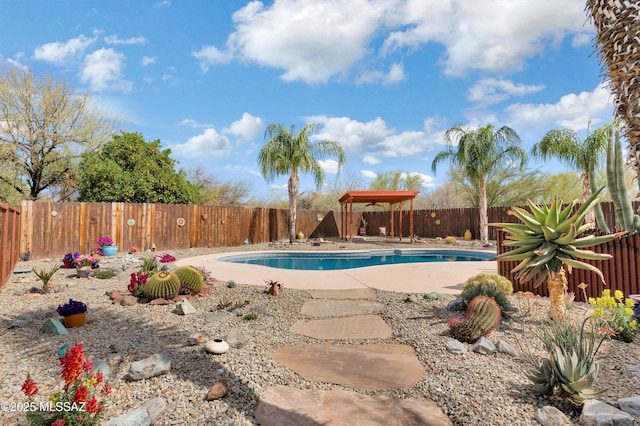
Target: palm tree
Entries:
(478, 152)
(583, 156)
(288, 152)
(617, 34)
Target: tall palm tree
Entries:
(478, 152)
(288, 152)
(617, 35)
(582, 155)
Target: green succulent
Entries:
(542, 377)
(574, 376)
(547, 239)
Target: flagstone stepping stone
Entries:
(356, 293)
(319, 308)
(282, 405)
(357, 327)
(380, 367)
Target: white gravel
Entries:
(471, 389)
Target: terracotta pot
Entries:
(68, 264)
(75, 320)
(86, 271)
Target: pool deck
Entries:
(443, 277)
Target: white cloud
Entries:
(59, 53)
(247, 128)
(395, 75)
(491, 35)
(210, 55)
(148, 60)
(163, 3)
(114, 39)
(571, 111)
(102, 69)
(369, 174)
(492, 90)
(427, 181)
(255, 173)
(370, 159)
(207, 144)
(329, 166)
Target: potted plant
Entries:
(74, 313)
(69, 260)
(108, 246)
(45, 276)
(87, 266)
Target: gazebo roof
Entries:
(391, 197)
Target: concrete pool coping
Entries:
(443, 277)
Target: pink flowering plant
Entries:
(167, 258)
(136, 284)
(104, 241)
(81, 400)
(87, 260)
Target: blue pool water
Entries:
(329, 261)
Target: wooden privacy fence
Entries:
(622, 272)
(9, 240)
(53, 229)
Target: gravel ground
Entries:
(471, 389)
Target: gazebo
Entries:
(374, 197)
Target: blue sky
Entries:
(385, 78)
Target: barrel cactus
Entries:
(191, 279)
(164, 284)
(492, 285)
(482, 316)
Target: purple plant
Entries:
(71, 307)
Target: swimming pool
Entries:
(331, 261)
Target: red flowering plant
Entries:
(136, 284)
(166, 258)
(81, 401)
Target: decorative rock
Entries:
(152, 366)
(137, 417)
(231, 284)
(156, 407)
(412, 298)
(630, 405)
(205, 290)
(455, 347)
(197, 338)
(235, 339)
(184, 307)
(19, 323)
(101, 366)
(160, 301)
(53, 326)
(506, 348)
(129, 301)
(388, 366)
(216, 346)
(597, 413)
(434, 295)
(632, 371)
(551, 416)
(358, 327)
(456, 305)
(114, 294)
(282, 405)
(217, 391)
(484, 346)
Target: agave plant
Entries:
(574, 375)
(546, 240)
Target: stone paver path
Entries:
(357, 327)
(346, 315)
(323, 308)
(282, 405)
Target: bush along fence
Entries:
(9, 240)
(622, 272)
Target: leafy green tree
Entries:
(396, 181)
(582, 155)
(477, 152)
(289, 153)
(129, 169)
(45, 126)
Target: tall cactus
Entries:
(617, 188)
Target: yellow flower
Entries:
(628, 311)
(618, 295)
(592, 301)
(633, 324)
(606, 293)
(629, 303)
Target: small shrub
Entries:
(492, 285)
(149, 264)
(105, 274)
(617, 312)
(250, 317)
(450, 240)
